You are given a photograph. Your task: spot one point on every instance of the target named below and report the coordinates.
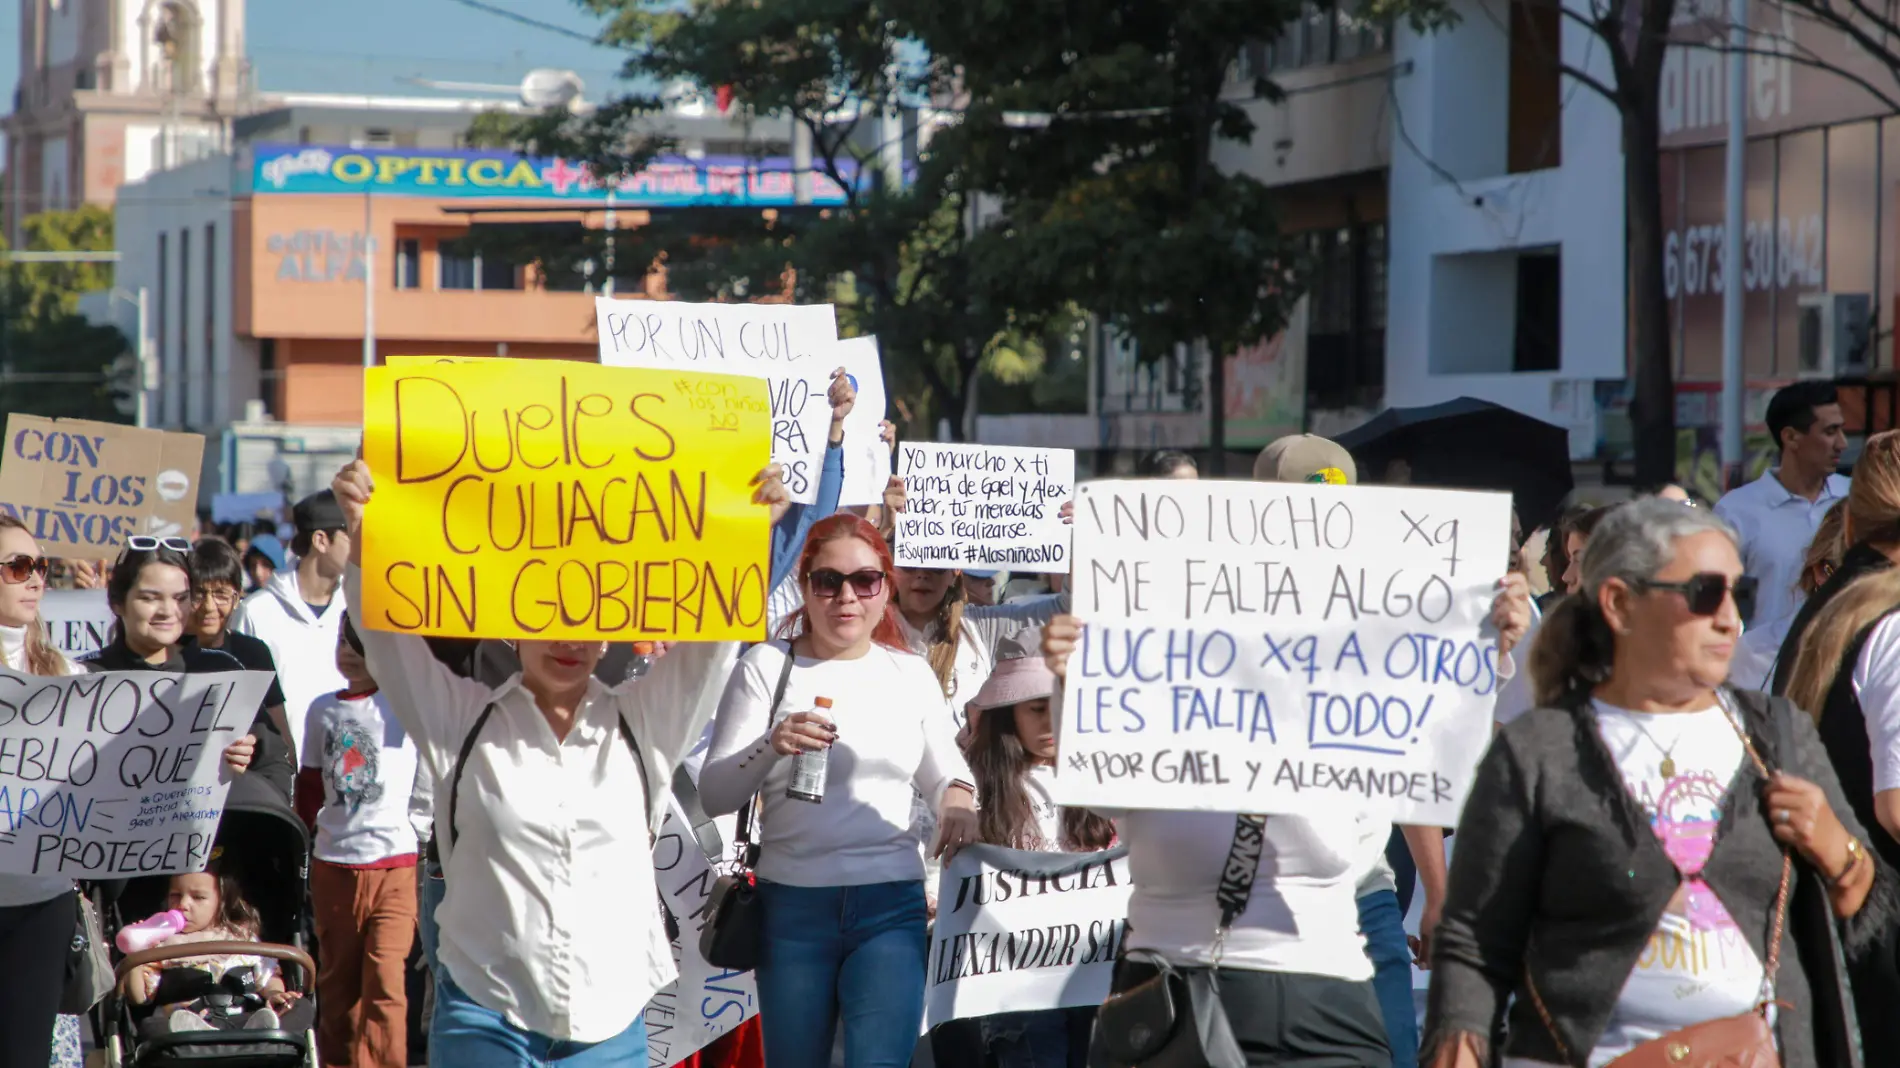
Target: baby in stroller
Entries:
(217, 992)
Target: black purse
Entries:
(735, 917)
(1176, 1019)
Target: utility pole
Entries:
(1733, 381)
(148, 368)
(369, 279)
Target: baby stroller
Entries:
(266, 848)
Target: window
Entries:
(267, 374)
(464, 268)
(184, 327)
(408, 263)
(212, 377)
(497, 273)
(1538, 334)
(1345, 337)
(456, 266)
(164, 365)
(1326, 31)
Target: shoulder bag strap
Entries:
(749, 814)
(1238, 874)
(461, 761)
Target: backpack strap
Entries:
(468, 747)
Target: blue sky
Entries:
(366, 46)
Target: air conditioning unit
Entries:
(1836, 335)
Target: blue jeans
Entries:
(465, 1035)
(851, 952)
(1384, 927)
(432, 886)
(1037, 1039)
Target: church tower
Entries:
(112, 90)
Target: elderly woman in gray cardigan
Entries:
(1619, 860)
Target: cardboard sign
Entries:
(1281, 647)
(793, 347)
(117, 774)
(986, 507)
(867, 460)
(705, 1002)
(76, 621)
(1018, 931)
(526, 499)
(82, 488)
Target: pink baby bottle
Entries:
(143, 935)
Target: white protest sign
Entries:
(1019, 931)
(1281, 647)
(792, 346)
(76, 621)
(984, 507)
(704, 1002)
(119, 773)
(867, 460)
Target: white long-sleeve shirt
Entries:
(892, 735)
(551, 916)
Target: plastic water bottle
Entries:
(641, 660)
(810, 766)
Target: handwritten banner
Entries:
(558, 499)
(984, 507)
(706, 1001)
(791, 346)
(82, 488)
(1018, 931)
(117, 774)
(867, 460)
(1270, 647)
(76, 621)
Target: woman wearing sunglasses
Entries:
(841, 879)
(1650, 851)
(150, 592)
(36, 913)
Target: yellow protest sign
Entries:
(557, 499)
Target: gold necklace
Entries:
(1669, 758)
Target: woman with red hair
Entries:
(841, 879)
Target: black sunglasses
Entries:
(826, 582)
(1705, 592)
(21, 568)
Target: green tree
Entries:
(1109, 202)
(53, 361)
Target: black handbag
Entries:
(1176, 1019)
(735, 917)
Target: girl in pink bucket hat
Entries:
(1012, 753)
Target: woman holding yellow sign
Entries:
(543, 959)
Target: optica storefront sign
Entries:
(669, 181)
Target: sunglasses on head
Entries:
(145, 543)
(1706, 592)
(21, 568)
(826, 582)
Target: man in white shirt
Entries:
(1777, 513)
(299, 613)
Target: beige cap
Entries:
(1305, 458)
